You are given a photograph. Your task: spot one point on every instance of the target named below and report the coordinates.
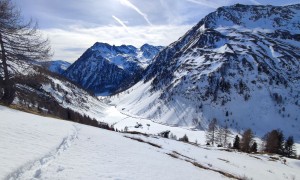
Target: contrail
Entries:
(215, 5)
(204, 3)
(120, 22)
(255, 2)
(132, 6)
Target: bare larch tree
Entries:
(212, 131)
(19, 42)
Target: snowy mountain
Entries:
(57, 66)
(239, 64)
(105, 69)
(44, 93)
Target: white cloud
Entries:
(71, 43)
(76, 25)
(132, 6)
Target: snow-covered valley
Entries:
(221, 102)
(239, 64)
(35, 147)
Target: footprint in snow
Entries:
(60, 168)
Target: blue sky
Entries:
(74, 25)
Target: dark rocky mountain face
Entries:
(240, 64)
(105, 69)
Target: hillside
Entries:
(41, 92)
(239, 64)
(47, 148)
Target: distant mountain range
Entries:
(239, 64)
(56, 66)
(107, 69)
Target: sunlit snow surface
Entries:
(35, 147)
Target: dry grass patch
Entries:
(142, 141)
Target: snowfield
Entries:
(35, 147)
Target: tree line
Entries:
(273, 141)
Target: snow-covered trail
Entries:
(27, 138)
(34, 147)
(34, 169)
(100, 154)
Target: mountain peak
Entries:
(107, 69)
(254, 16)
(101, 44)
(239, 64)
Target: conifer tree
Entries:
(19, 42)
(289, 147)
(254, 147)
(236, 143)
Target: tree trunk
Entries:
(9, 91)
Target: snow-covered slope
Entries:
(240, 64)
(39, 90)
(105, 69)
(58, 66)
(35, 147)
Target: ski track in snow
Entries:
(33, 170)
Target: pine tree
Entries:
(247, 139)
(211, 132)
(236, 143)
(254, 147)
(289, 147)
